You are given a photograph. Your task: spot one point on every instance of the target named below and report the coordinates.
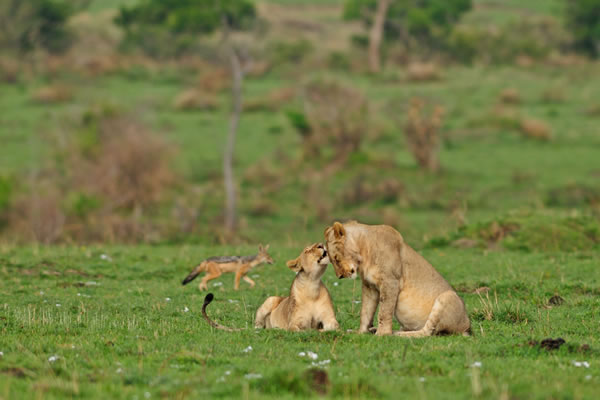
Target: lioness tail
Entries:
(207, 300)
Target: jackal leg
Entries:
(250, 281)
(213, 272)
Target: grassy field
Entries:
(115, 321)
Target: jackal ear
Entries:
(294, 265)
(267, 247)
(260, 248)
(338, 230)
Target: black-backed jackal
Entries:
(215, 266)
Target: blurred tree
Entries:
(425, 21)
(29, 24)
(197, 17)
(583, 19)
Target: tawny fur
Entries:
(216, 266)
(309, 304)
(397, 279)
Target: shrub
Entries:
(56, 93)
(527, 39)
(535, 129)
(427, 22)
(510, 96)
(170, 27)
(31, 24)
(421, 130)
(293, 52)
(338, 116)
(194, 99)
(583, 19)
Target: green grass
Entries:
(116, 335)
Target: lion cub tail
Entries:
(207, 300)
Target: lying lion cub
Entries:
(309, 303)
(397, 278)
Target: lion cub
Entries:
(309, 304)
(396, 278)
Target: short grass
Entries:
(98, 322)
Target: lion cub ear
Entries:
(294, 265)
(339, 230)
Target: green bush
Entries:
(170, 27)
(583, 19)
(533, 37)
(31, 24)
(290, 52)
(426, 21)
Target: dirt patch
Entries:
(318, 380)
(550, 344)
(14, 371)
(556, 300)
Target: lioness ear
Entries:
(338, 230)
(294, 265)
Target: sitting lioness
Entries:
(397, 278)
(309, 304)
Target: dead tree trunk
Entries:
(376, 35)
(229, 180)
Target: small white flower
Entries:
(255, 275)
(302, 354)
(312, 355)
(168, 299)
(422, 379)
(105, 257)
(320, 363)
(1, 354)
(232, 301)
(53, 358)
(119, 370)
(78, 294)
(185, 309)
(583, 364)
(217, 284)
(335, 283)
(476, 364)
(356, 301)
(57, 304)
(147, 395)
(247, 349)
(588, 377)
(41, 292)
(72, 346)
(253, 376)
(227, 372)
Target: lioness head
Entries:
(263, 256)
(313, 261)
(335, 240)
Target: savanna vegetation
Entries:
(138, 137)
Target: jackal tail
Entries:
(199, 268)
(207, 300)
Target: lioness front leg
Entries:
(388, 297)
(370, 298)
(265, 310)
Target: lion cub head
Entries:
(335, 238)
(312, 261)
